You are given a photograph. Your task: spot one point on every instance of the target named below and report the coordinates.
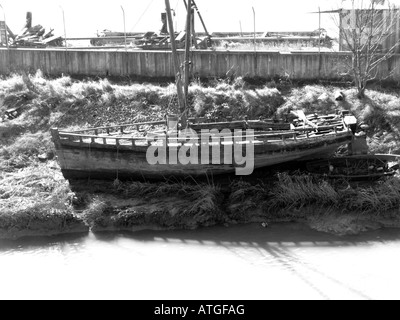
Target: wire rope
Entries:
(144, 12)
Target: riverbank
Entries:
(337, 209)
(105, 206)
(36, 200)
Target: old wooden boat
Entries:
(123, 151)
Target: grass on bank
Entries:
(35, 198)
(293, 192)
(162, 204)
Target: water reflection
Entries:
(287, 261)
(287, 234)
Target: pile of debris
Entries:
(37, 37)
(34, 36)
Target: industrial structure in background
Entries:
(203, 40)
(158, 41)
(36, 36)
(30, 36)
(386, 23)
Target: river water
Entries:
(283, 261)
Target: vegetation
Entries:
(335, 207)
(166, 205)
(34, 196)
(296, 191)
(36, 200)
(365, 35)
(300, 190)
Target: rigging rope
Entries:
(140, 18)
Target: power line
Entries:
(145, 11)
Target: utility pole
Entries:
(65, 30)
(123, 14)
(65, 39)
(254, 18)
(319, 30)
(181, 99)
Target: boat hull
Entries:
(96, 161)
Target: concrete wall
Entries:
(158, 64)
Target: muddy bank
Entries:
(333, 223)
(353, 223)
(114, 212)
(44, 227)
(110, 213)
(329, 220)
(37, 201)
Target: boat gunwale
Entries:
(283, 134)
(118, 126)
(289, 132)
(328, 138)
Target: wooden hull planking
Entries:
(111, 157)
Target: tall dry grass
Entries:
(203, 198)
(32, 195)
(298, 191)
(177, 205)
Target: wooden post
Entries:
(28, 23)
(55, 137)
(181, 100)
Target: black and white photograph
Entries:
(199, 155)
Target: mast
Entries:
(187, 49)
(181, 98)
(200, 16)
